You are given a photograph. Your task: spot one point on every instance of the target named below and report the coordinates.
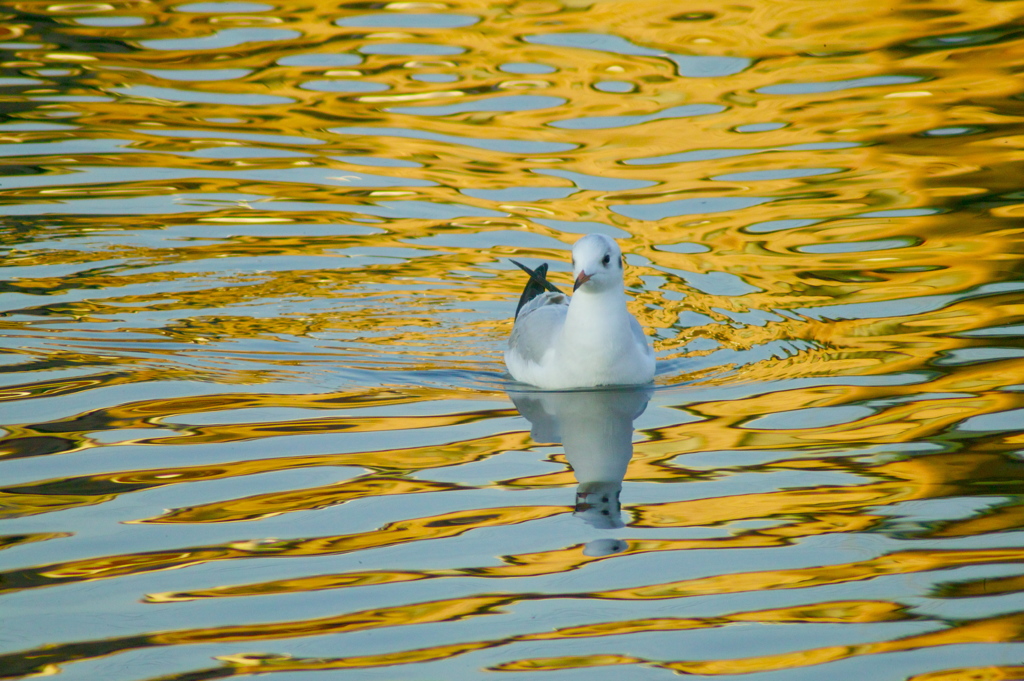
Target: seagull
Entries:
(590, 340)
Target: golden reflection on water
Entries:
(257, 285)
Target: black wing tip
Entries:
(538, 276)
(524, 267)
(537, 284)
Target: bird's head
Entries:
(596, 264)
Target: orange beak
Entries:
(582, 279)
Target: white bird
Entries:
(588, 341)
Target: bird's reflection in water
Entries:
(596, 429)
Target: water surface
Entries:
(256, 286)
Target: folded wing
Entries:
(537, 325)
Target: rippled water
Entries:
(256, 285)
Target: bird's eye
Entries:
(606, 259)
